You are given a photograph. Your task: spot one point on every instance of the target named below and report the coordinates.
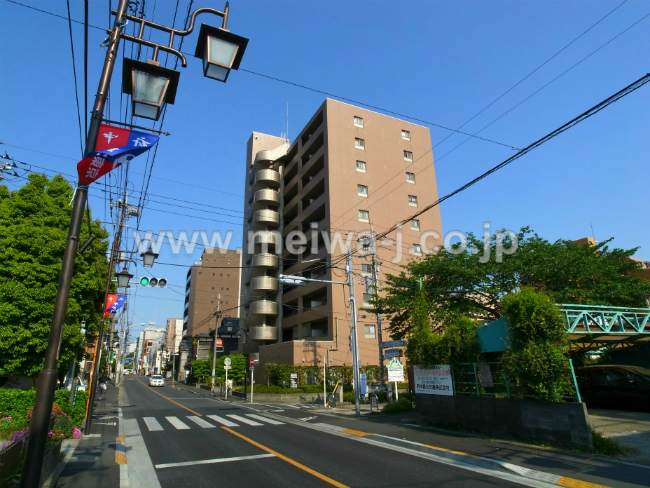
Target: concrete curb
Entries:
(68, 447)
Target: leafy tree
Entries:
(237, 369)
(201, 369)
(460, 284)
(537, 353)
(34, 223)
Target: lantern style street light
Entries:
(220, 50)
(148, 258)
(150, 85)
(123, 278)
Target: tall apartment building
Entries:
(349, 171)
(215, 275)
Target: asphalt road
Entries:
(195, 442)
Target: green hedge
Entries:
(15, 403)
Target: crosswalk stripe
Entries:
(200, 422)
(176, 422)
(288, 405)
(152, 424)
(264, 419)
(223, 421)
(245, 420)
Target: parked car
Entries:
(615, 386)
(156, 380)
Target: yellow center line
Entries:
(288, 460)
(573, 483)
(356, 432)
(175, 403)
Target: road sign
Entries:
(393, 344)
(392, 353)
(219, 342)
(227, 367)
(252, 362)
(227, 362)
(395, 371)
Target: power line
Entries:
(580, 118)
(74, 74)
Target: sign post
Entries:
(226, 363)
(395, 374)
(252, 369)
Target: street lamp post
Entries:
(39, 425)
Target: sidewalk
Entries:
(92, 464)
(410, 427)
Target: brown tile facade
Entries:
(216, 275)
(349, 170)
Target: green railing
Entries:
(597, 319)
(489, 379)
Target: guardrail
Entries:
(597, 319)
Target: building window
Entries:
(369, 330)
(417, 249)
(406, 135)
(359, 143)
(364, 216)
(366, 269)
(367, 300)
(361, 166)
(408, 155)
(358, 121)
(410, 177)
(362, 190)
(415, 224)
(413, 201)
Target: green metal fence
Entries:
(489, 379)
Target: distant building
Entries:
(212, 283)
(174, 335)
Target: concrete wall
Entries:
(563, 424)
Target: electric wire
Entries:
(74, 74)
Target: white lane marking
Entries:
(305, 419)
(264, 419)
(212, 461)
(140, 468)
(152, 424)
(223, 421)
(200, 422)
(176, 422)
(244, 420)
(287, 405)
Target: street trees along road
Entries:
(34, 223)
(460, 284)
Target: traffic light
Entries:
(159, 282)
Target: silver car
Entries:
(156, 380)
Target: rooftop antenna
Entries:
(593, 234)
(287, 116)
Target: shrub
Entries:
(63, 424)
(348, 397)
(401, 405)
(536, 356)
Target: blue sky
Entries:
(439, 61)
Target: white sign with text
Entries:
(433, 380)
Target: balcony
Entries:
(266, 237)
(264, 307)
(266, 216)
(267, 177)
(264, 284)
(264, 333)
(270, 197)
(265, 261)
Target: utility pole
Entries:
(370, 245)
(214, 346)
(353, 333)
(119, 360)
